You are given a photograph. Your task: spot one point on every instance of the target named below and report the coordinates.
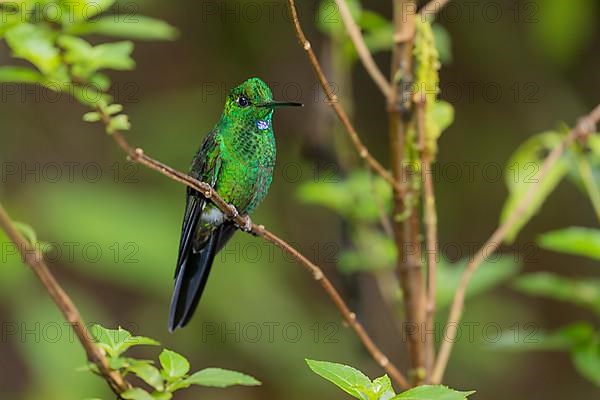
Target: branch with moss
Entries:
(585, 127)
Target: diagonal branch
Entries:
(138, 155)
(362, 150)
(34, 258)
(585, 127)
(361, 48)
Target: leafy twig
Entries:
(361, 48)
(138, 155)
(363, 152)
(584, 127)
(34, 258)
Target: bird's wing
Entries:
(195, 255)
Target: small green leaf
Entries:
(162, 395)
(34, 43)
(20, 75)
(113, 109)
(109, 339)
(174, 364)
(349, 379)
(143, 28)
(577, 241)
(136, 394)
(119, 123)
(147, 372)
(382, 387)
(433, 392)
(221, 378)
(92, 116)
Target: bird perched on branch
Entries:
(237, 159)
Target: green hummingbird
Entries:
(237, 159)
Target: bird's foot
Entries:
(247, 225)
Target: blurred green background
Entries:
(517, 68)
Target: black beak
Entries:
(276, 104)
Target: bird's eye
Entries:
(243, 101)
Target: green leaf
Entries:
(382, 387)
(92, 116)
(584, 292)
(522, 173)
(79, 10)
(147, 372)
(118, 123)
(20, 75)
(117, 341)
(492, 272)
(88, 59)
(350, 380)
(221, 378)
(373, 251)
(174, 364)
(34, 43)
(162, 395)
(443, 42)
(587, 360)
(576, 241)
(433, 392)
(136, 394)
(563, 339)
(143, 28)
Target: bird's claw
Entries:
(247, 225)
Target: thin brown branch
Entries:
(585, 127)
(361, 48)
(333, 101)
(431, 232)
(35, 259)
(433, 7)
(406, 221)
(138, 155)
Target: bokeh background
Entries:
(115, 227)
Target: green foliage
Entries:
(579, 339)
(358, 198)
(143, 28)
(359, 386)
(173, 372)
(578, 241)
(521, 173)
(65, 62)
(563, 28)
(490, 274)
(582, 292)
(430, 392)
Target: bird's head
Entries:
(253, 100)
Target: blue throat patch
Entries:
(262, 124)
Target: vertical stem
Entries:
(431, 235)
(406, 231)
